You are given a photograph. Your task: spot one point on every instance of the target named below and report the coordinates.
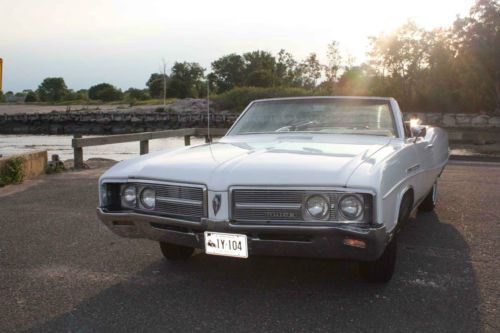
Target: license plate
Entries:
(229, 245)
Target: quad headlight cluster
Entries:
(351, 207)
(133, 196)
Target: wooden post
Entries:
(187, 140)
(144, 147)
(77, 154)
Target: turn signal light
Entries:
(354, 243)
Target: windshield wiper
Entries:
(296, 126)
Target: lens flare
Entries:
(415, 122)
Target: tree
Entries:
(83, 94)
(137, 94)
(311, 71)
(105, 92)
(31, 96)
(288, 72)
(260, 78)
(155, 84)
(477, 45)
(52, 89)
(356, 80)
(334, 64)
(438, 83)
(228, 72)
(186, 80)
(259, 68)
(401, 55)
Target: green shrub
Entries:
(105, 92)
(31, 97)
(56, 167)
(238, 98)
(12, 172)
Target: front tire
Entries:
(176, 252)
(382, 269)
(430, 200)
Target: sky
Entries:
(123, 42)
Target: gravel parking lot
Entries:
(61, 270)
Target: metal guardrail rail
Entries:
(78, 143)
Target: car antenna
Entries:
(208, 112)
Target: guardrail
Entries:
(78, 142)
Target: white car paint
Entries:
(386, 167)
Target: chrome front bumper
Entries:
(278, 240)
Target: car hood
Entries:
(316, 160)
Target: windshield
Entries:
(322, 115)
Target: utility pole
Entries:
(1, 73)
(164, 73)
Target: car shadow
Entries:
(434, 289)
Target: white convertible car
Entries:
(329, 177)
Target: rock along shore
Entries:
(133, 121)
(108, 122)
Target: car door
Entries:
(425, 179)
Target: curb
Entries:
(475, 158)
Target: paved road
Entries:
(60, 270)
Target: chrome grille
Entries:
(275, 205)
(180, 201)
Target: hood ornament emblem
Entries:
(216, 201)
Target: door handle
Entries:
(429, 146)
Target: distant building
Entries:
(15, 99)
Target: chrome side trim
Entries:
(413, 168)
(392, 189)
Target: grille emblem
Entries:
(216, 201)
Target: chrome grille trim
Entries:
(183, 201)
(284, 204)
(266, 206)
(180, 201)
(274, 205)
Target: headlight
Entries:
(129, 196)
(148, 198)
(317, 207)
(351, 207)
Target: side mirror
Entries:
(418, 131)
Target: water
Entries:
(61, 145)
